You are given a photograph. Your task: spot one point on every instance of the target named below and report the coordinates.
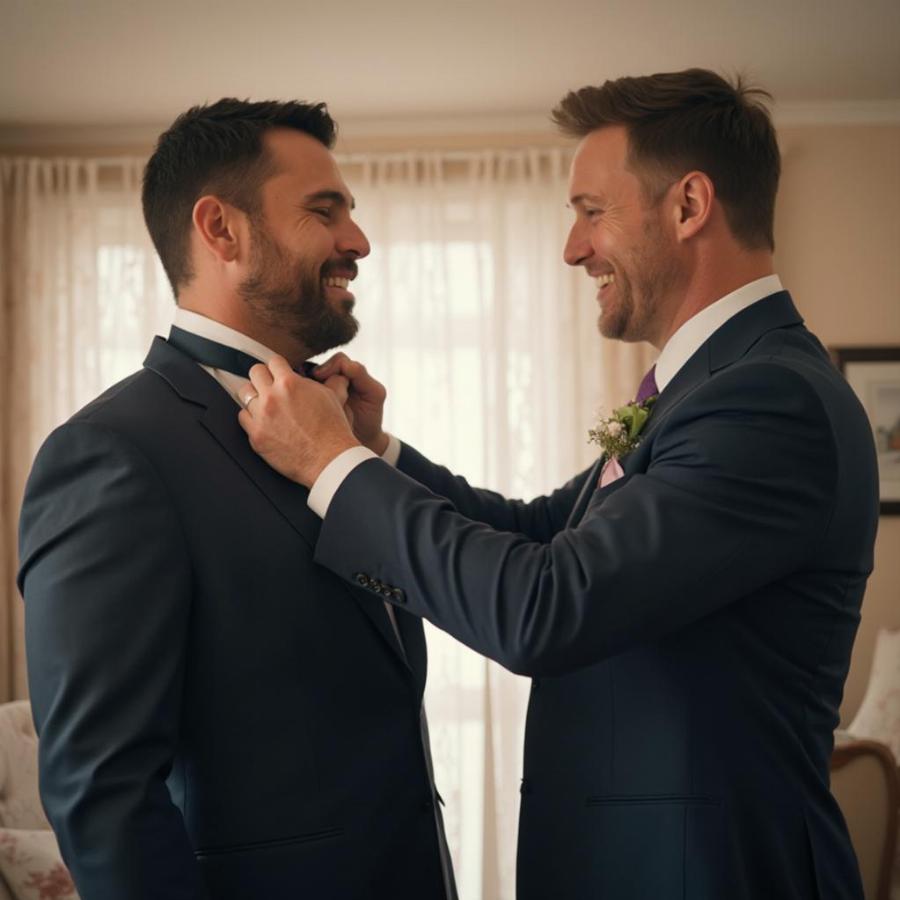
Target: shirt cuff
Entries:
(391, 454)
(332, 477)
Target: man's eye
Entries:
(324, 211)
(592, 212)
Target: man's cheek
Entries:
(312, 237)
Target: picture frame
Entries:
(874, 375)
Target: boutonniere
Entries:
(619, 433)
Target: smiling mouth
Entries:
(342, 283)
(605, 280)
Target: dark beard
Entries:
(291, 298)
(323, 327)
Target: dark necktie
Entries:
(219, 356)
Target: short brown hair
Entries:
(679, 121)
(216, 149)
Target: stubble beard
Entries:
(288, 296)
(641, 296)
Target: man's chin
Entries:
(610, 328)
(338, 333)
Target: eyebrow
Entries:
(579, 199)
(333, 196)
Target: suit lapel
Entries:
(693, 373)
(414, 646)
(724, 347)
(217, 414)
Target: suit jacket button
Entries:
(398, 595)
(362, 579)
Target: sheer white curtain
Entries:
(488, 345)
(486, 341)
(82, 293)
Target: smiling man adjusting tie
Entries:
(219, 718)
(688, 624)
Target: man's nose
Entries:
(577, 248)
(353, 240)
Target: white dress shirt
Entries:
(677, 351)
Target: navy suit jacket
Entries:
(688, 627)
(219, 717)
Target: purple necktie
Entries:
(648, 386)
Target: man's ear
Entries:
(219, 227)
(693, 204)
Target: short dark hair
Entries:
(216, 149)
(695, 119)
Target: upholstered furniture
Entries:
(30, 865)
(878, 718)
(865, 783)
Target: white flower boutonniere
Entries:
(619, 434)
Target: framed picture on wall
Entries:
(874, 374)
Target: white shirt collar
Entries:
(689, 338)
(222, 334)
(216, 331)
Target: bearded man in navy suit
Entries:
(687, 609)
(219, 718)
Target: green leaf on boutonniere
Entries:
(619, 434)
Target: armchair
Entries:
(864, 782)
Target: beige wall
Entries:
(838, 235)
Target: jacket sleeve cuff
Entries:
(333, 475)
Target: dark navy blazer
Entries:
(689, 626)
(219, 717)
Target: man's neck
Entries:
(710, 283)
(235, 315)
(682, 345)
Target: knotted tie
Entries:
(612, 470)
(647, 387)
(218, 356)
